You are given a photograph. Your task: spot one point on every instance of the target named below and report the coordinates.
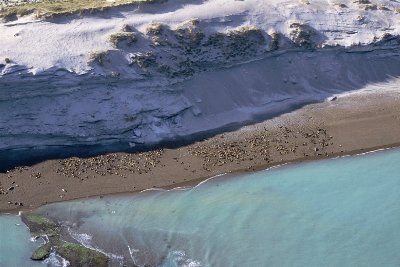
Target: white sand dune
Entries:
(65, 42)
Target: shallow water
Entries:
(15, 247)
(342, 212)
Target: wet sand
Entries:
(350, 124)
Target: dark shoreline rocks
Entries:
(75, 253)
(42, 252)
(79, 255)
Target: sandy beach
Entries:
(349, 124)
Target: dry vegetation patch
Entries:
(50, 8)
(99, 57)
(117, 38)
(155, 28)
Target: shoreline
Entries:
(352, 124)
(187, 185)
(196, 182)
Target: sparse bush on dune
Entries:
(274, 44)
(303, 35)
(195, 48)
(384, 8)
(371, 7)
(305, 2)
(215, 39)
(156, 41)
(191, 23)
(117, 38)
(342, 5)
(155, 31)
(154, 28)
(98, 57)
(241, 42)
(126, 28)
(142, 60)
(387, 39)
(189, 34)
(362, 2)
(250, 32)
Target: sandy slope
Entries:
(66, 110)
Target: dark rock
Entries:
(79, 255)
(39, 225)
(76, 254)
(41, 253)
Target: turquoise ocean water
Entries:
(338, 212)
(15, 245)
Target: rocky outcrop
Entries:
(42, 252)
(76, 254)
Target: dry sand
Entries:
(350, 124)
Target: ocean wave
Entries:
(178, 258)
(54, 260)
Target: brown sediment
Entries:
(349, 125)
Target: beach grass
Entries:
(49, 8)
